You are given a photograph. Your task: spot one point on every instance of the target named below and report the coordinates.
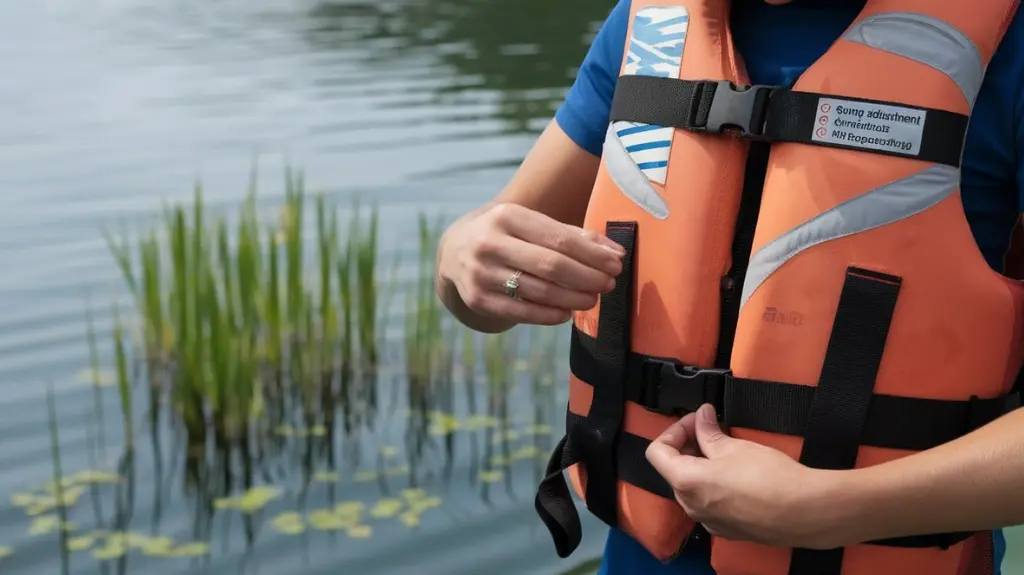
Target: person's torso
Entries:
(777, 43)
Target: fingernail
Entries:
(707, 411)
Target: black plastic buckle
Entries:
(691, 387)
(743, 109)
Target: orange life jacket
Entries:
(799, 257)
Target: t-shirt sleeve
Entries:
(583, 116)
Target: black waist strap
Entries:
(895, 422)
(782, 115)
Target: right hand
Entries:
(564, 267)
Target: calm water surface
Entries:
(110, 107)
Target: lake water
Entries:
(110, 107)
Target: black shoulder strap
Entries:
(782, 115)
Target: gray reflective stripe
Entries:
(628, 177)
(927, 40)
(885, 205)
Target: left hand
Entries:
(743, 490)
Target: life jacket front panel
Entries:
(956, 326)
(682, 190)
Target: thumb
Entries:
(712, 440)
(669, 454)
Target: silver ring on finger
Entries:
(512, 285)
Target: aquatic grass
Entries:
(258, 333)
(94, 369)
(233, 331)
(57, 475)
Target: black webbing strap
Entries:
(595, 441)
(896, 422)
(782, 115)
(554, 502)
(839, 410)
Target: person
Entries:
(739, 489)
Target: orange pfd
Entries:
(799, 257)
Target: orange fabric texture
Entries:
(951, 304)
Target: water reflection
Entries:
(424, 460)
(525, 51)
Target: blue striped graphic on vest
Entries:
(655, 49)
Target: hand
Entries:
(564, 267)
(742, 490)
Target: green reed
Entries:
(231, 327)
(253, 329)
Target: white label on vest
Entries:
(866, 125)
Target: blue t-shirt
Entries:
(777, 43)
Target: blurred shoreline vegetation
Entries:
(266, 346)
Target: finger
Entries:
(683, 472)
(585, 246)
(536, 290)
(680, 434)
(712, 440)
(503, 307)
(689, 423)
(555, 267)
(680, 469)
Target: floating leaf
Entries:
(289, 523)
(525, 452)
(193, 549)
(250, 501)
(318, 431)
(326, 476)
(413, 493)
(386, 508)
(94, 476)
(538, 430)
(5, 551)
(287, 431)
(492, 476)
(161, 546)
(23, 499)
(420, 505)
(350, 508)
(331, 520)
(388, 451)
(410, 518)
(364, 475)
(508, 436)
(114, 549)
(80, 543)
(49, 524)
(100, 378)
(360, 531)
(480, 422)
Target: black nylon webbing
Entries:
(679, 103)
(597, 440)
(598, 436)
(792, 117)
(894, 422)
(839, 409)
(775, 114)
(554, 502)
